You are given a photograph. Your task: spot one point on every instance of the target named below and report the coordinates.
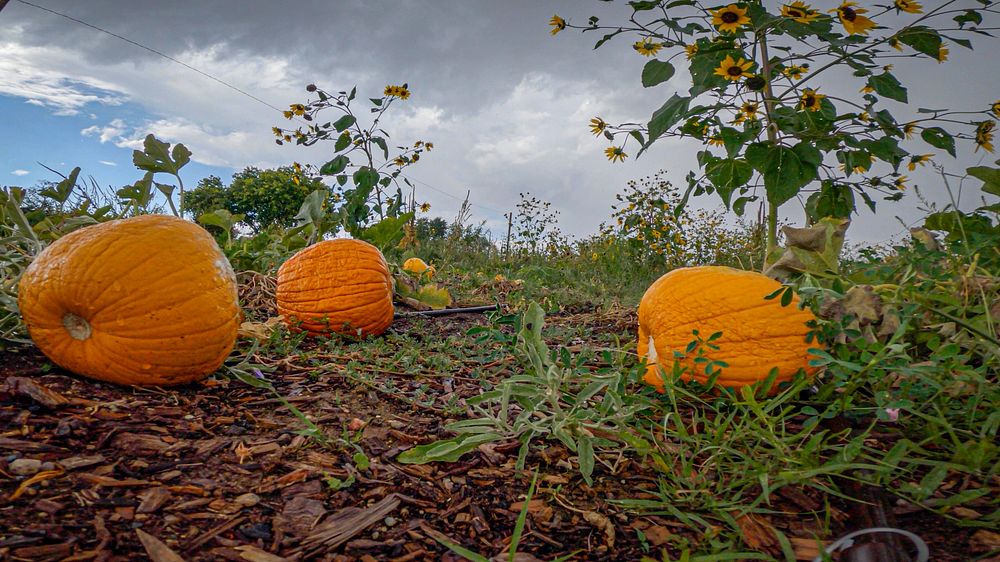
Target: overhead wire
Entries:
(215, 79)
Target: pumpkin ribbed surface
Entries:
(340, 286)
(149, 300)
(757, 334)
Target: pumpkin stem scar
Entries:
(77, 327)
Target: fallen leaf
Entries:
(758, 533)
(984, 541)
(806, 548)
(603, 524)
(254, 554)
(24, 386)
(157, 551)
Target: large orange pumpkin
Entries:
(757, 334)
(341, 286)
(149, 300)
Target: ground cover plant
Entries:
(527, 432)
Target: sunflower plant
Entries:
(762, 97)
(374, 204)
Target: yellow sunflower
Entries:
(920, 159)
(900, 182)
(852, 20)
(716, 140)
(647, 47)
(731, 69)
(691, 50)
(558, 24)
(909, 6)
(277, 132)
(297, 108)
(795, 71)
(748, 111)
(810, 100)
(401, 92)
(909, 129)
(799, 11)
(424, 207)
(730, 18)
(995, 108)
(615, 153)
(942, 53)
(984, 136)
(597, 125)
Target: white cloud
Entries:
(209, 145)
(107, 162)
(110, 132)
(20, 172)
(39, 74)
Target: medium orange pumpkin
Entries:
(148, 300)
(340, 286)
(757, 334)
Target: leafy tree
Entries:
(265, 198)
(430, 229)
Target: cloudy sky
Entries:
(505, 103)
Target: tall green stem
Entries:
(772, 137)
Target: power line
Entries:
(457, 198)
(210, 77)
(155, 52)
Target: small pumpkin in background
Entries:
(336, 286)
(418, 268)
(148, 300)
(757, 334)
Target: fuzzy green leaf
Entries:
(667, 116)
(939, 138)
(887, 85)
(656, 72)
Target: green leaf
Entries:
(220, 218)
(922, 39)
(387, 232)
(970, 16)
(641, 5)
(728, 174)
(785, 170)
(990, 177)
(335, 166)
(939, 138)
(344, 122)
(434, 296)
(343, 141)
(62, 190)
(155, 156)
(832, 200)
(447, 450)
(667, 116)
(656, 72)
(887, 85)
(381, 144)
(181, 155)
(365, 178)
(585, 453)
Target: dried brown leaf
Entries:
(603, 524)
(157, 550)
